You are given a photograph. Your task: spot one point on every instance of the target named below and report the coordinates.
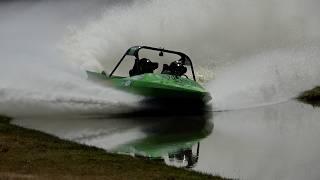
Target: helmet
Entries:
(177, 68)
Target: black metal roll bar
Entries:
(134, 51)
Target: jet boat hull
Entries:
(152, 85)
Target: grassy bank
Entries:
(311, 96)
(31, 154)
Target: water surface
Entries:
(271, 142)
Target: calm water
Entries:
(272, 142)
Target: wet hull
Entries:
(157, 86)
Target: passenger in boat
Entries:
(143, 66)
(176, 68)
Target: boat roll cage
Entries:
(134, 51)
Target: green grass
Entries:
(311, 96)
(30, 154)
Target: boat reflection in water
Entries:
(174, 140)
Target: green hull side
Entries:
(155, 85)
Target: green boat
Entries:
(171, 83)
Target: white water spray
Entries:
(261, 51)
(267, 78)
(35, 79)
(268, 50)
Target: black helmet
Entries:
(177, 68)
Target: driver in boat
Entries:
(142, 66)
